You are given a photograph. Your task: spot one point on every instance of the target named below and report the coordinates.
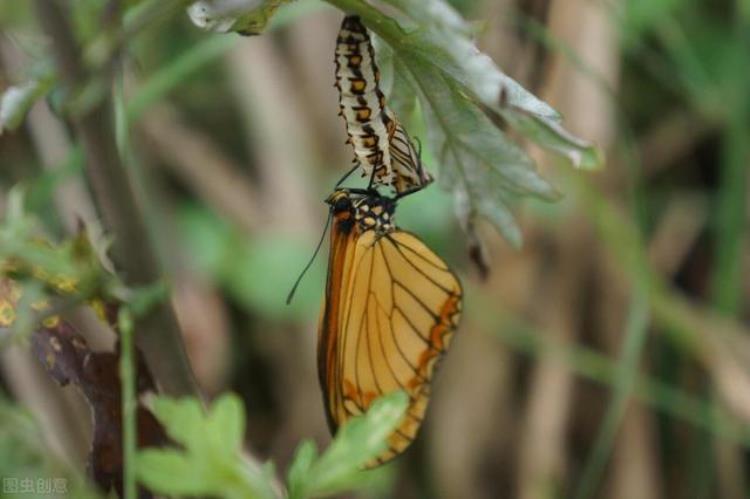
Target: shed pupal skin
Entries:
(382, 146)
(361, 102)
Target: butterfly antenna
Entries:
(419, 148)
(309, 264)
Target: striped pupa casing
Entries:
(381, 144)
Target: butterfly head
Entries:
(369, 210)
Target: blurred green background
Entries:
(608, 357)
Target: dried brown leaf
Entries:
(68, 360)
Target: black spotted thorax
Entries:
(375, 213)
(368, 210)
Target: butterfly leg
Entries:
(347, 174)
(372, 178)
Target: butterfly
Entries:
(391, 308)
(382, 147)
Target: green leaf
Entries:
(360, 440)
(182, 418)
(401, 97)
(476, 200)
(439, 36)
(226, 422)
(552, 136)
(169, 470)
(210, 462)
(482, 167)
(144, 299)
(246, 17)
(300, 467)
(17, 100)
(438, 33)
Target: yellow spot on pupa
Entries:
(363, 114)
(358, 86)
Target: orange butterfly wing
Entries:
(391, 309)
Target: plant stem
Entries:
(128, 403)
(158, 334)
(726, 289)
(625, 381)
